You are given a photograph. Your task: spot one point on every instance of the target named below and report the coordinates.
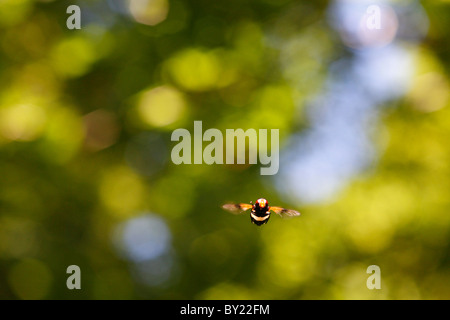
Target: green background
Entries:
(86, 118)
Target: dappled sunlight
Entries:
(63, 135)
(161, 106)
(121, 191)
(430, 88)
(101, 129)
(197, 70)
(24, 122)
(149, 12)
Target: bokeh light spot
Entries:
(149, 12)
(14, 11)
(121, 191)
(195, 69)
(23, 122)
(63, 135)
(145, 237)
(73, 57)
(145, 241)
(101, 129)
(30, 279)
(161, 106)
(17, 237)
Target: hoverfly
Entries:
(260, 212)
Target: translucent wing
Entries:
(237, 208)
(285, 212)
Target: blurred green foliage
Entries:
(85, 123)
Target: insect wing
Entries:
(285, 212)
(237, 208)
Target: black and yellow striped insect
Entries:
(260, 212)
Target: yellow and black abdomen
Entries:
(258, 216)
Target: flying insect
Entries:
(260, 211)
